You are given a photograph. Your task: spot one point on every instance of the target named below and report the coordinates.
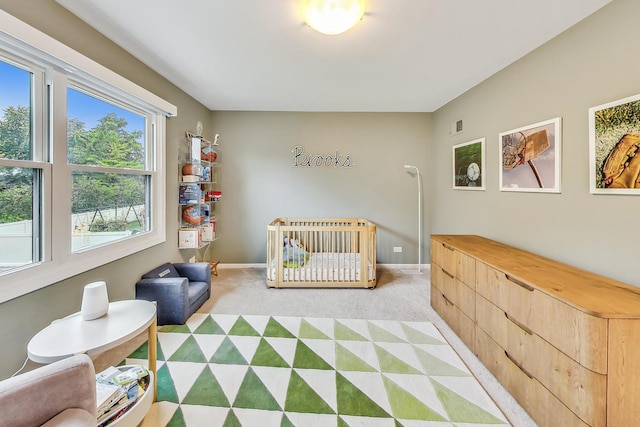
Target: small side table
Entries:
(72, 335)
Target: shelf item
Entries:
(561, 340)
(189, 238)
(190, 194)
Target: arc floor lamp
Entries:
(419, 215)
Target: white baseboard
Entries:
(241, 265)
(425, 267)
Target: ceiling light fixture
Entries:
(333, 16)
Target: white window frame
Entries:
(65, 67)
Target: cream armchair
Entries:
(60, 394)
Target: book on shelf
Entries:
(107, 395)
(134, 391)
(117, 390)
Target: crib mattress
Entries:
(324, 267)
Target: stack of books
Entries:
(117, 389)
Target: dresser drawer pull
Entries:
(447, 247)
(446, 300)
(519, 325)
(447, 273)
(519, 283)
(524, 371)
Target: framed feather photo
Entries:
(530, 157)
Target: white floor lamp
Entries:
(419, 215)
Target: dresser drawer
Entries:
(440, 277)
(461, 324)
(579, 335)
(580, 389)
(540, 403)
(456, 263)
(457, 292)
(443, 255)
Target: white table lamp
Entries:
(95, 301)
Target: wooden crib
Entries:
(321, 253)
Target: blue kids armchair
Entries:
(179, 289)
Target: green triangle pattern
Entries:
(206, 391)
(302, 398)
(286, 422)
(434, 366)
(353, 401)
(243, 328)
(406, 406)
(380, 335)
(181, 329)
(305, 358)
(166, 390)
(307, 330)
(228, 354)
(345, 333)
(358, 384)
(416, 337)
(266, 356)
(177, 419)
(189, 351)
(391, 364)
(142, 352)
(276, 330)
(347, 361)
(209, 326)
(460, 409)
(232, 420)
(253, 394)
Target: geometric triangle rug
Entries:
(244, 370)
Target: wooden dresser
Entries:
(564, 342)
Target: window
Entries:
(106, 147)
(20, 215)
(81, 162)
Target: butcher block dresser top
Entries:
(589, 292)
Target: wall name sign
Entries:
(337, 159)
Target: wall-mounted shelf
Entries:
(199, 190)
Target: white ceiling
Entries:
(258, 55)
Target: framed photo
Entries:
(530, 157)
(468, 165)
(614, 147)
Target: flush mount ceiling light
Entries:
(333, 16)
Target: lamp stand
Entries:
(419, 219)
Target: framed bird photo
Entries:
(468, 165)
(530, 158)
(614, 147)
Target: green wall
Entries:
(261, 182)
(590, 64)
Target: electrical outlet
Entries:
(397, 249)
(192, 259)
